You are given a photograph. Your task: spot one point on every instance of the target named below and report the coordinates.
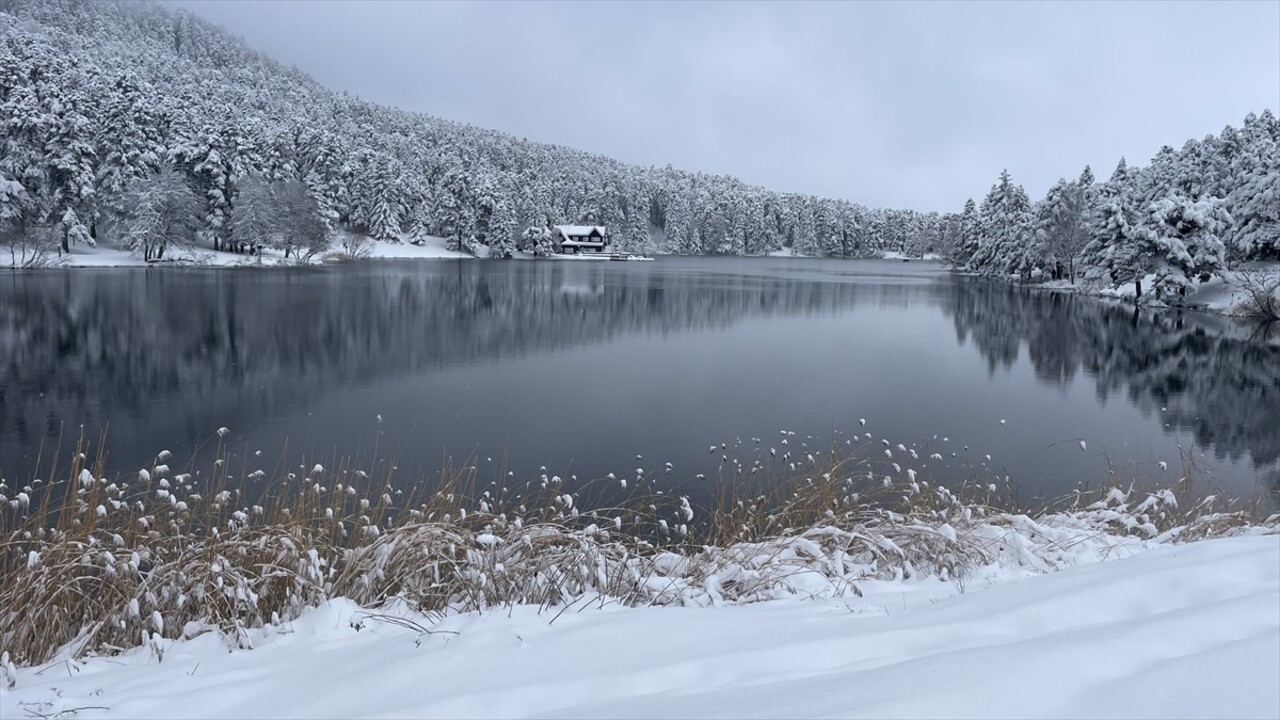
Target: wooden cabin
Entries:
(574, 239)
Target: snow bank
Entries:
(1177, 631)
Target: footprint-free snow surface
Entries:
(1177, 631)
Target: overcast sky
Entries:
(902, 104)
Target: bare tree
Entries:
(1262, 294)
(27, 244)
(163, 212)
(299, 222)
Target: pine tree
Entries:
(255, 217)
(1060, 232)
(70, 158)
(635, 236)
(1004, 229)
(1254, 196)
(384, 214)
(128, 137)
(1086, 178)
(457, 208)
(537, 240)
(804, 232)
(1111, 256)
(1183, 244)
(969, 241)
(419, 224)
(199, 155)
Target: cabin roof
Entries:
(580, 230)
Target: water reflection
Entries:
(1202, 375)
(590, 363)
(176, 354)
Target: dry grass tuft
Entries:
(89, 564)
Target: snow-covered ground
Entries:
(1221, 295)
(432, 248)
(1229, 295)
(1169, 631)
(894, 255)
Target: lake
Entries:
(583, 366)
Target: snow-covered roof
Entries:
(572, 230)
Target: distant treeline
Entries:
(143, 127)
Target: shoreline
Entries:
(433, 248)
(173, 599)
(1219, 297)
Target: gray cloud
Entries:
(913, 104)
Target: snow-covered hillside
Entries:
(117, 106)
(136, 126)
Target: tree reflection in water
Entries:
(175, 355)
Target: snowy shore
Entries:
(1220, 296)
(1155, 631)
(433, 248)
(104, 256)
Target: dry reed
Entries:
(90, 564)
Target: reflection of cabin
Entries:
(579, 238)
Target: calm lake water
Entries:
(582, 366)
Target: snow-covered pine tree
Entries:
(804, 232)
(198, 154)
(129, 140)
(255, 218)
(419, 223)
(1086, 178)
(537, 240)
(1059, 230)
(320, 159)
(457, 208)
(1004, 229)
(383, 218)
(1111, 255)
(635, 234)
(969, 237)
(1254, 199)
(681, 237)
(70, 159)
(318, 190)
(503, 247)
(1183, 243)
